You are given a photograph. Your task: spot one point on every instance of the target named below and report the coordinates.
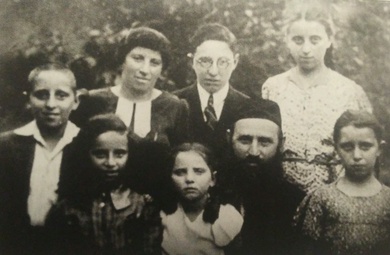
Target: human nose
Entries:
(357, 154)
(254, 148)
(110, 160)
(189, 177)
(145, 67)
(51, 102)
(213, 69)
(306, 47)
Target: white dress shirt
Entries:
(45, 171)
(219, 99)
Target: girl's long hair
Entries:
(80, 181)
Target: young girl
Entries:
(189, 229)
(352, 215)
(98, 211)
(311, 97)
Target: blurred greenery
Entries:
(86, 32)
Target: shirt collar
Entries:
(116, 90)
(321, 80)
(31, 129)
(218, 96)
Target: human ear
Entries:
(228, 137)
(281, 144)
(381, 147)
(78, 94)
(213, 178)
(236, 58)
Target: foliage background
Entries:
(87, 31)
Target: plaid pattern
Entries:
(108, 224)
(118, 230)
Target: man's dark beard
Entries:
(253, 168)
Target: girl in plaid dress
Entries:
(98, 212)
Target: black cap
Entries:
(260, 109)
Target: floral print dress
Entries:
(308, 118)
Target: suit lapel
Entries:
(228, 108)
(196, 110)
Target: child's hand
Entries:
(211, 210)
(137, 203)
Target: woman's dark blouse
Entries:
(169, 117)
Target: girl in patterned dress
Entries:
(311, 96)
(98, 212)
(352, 215)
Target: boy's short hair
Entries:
(32, 77)
(216, 32)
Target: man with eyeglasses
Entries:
(212, 101)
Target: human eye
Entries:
(223, 62)
(265, 141)
(156, 62)
(365, 146)
(41, 94)
(137, 57)
(179, 171)
(298, 40)
(61, 95)
(245, 139)
(199, 170)
(100, 154)
(205, 61)
(347, 146)
(120, 153)
(315, 39)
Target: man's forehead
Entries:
(254, 126)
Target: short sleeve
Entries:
(265, 89)
(227, 226)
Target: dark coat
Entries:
(169, 117)
(16, 160)
(216, 139)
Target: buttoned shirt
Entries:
(219, 99)
(45, 171)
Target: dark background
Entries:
(87, 32)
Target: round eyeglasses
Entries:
(207, 62)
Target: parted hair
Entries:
(145, 37)
(216, 32)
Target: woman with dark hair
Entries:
(97, 212)
(148, 112)
(352, 215)
(311, 97)
(196, 223)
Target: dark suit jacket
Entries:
(16, 160)
(217, 139)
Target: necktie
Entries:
(209, 112)
(132, 118)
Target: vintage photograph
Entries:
(195, 127)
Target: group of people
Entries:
(131, 169)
